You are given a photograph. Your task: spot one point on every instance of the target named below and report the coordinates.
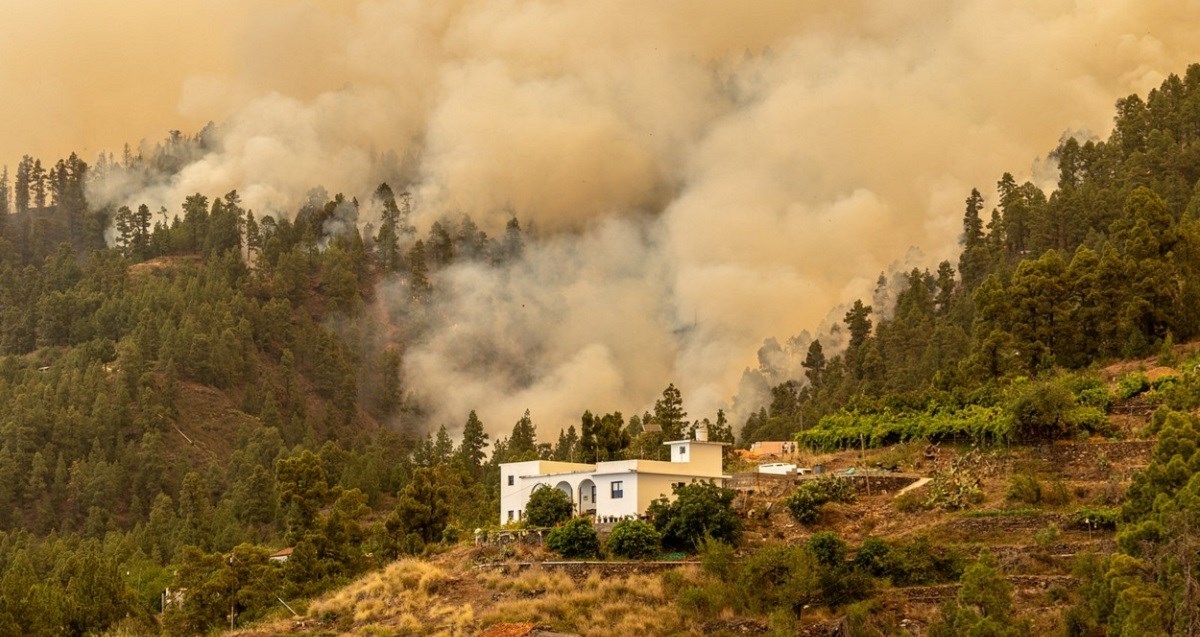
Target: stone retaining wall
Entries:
(580, 570)
(770, 484)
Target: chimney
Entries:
(702, 433)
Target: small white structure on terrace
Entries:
(612, 489)
(780, 468)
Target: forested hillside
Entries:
(1103, 267)
(183, 392)
(213, 381)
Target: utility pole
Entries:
(862, 458)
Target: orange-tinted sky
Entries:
(776, 155)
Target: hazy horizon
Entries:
(705, 175)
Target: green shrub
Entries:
(952, 492)
(705, 600)
(1088, 517)
(700, 510)
(827, 548)
(1164, 383)
(1047, 535)
(1024, 488)
(874, 556)
(1028, 489)
(634, 539)
(1056, 494)
(984, 605)
(575, 539)
(805, 503)
(1097, 397)
(1086, 419)
(921, 562)
(548, 507)
(717, 558)
(1131, 385)
(778, 577)
(1040, 410)
(871, 618)
(781, 623)
(910, 502)
(841, 585)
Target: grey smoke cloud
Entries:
(707, 174)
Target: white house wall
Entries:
(626, 505)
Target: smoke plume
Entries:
(704, 174)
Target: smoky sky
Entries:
(704, 174)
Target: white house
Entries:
(613, 489)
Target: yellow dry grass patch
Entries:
(399, 600)
(597, 606)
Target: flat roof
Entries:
(699, 442)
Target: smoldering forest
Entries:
(704, 185)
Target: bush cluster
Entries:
(914, 563)
(805, 503)
(1131, 385)
(575, 539)
(699, 510)
(548, 507)
(781, 580)
(1028, 489)
(953, 492)
(1092, 518)
(634, 539)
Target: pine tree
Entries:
(568, 445)
(945, 287)
(443, 449)
(423, 507)
(471, 450)
(387, 242)
(5, 197)
(522, 444)
(140, 226)
(303, 489)
(814, 363)
(254, 239)
(669, 413)
(440, 245)
(123, 222)
(418, 272)
(37, 184)
(858, 321)
(974, 261)
(21, 185)
(587, 438)
(514, 246)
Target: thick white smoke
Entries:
(706, 174)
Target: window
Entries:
(682, 450)
(510, 481)
(618, 489)
(510, 515)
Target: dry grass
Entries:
(402, 599)
(629, 605)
